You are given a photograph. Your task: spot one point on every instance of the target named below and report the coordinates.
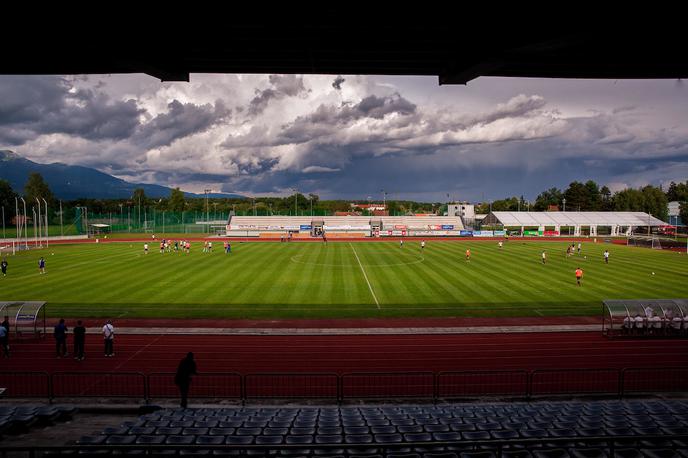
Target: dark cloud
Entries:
(281, 86)
(328, 119)
(181, 120)
(337, 83)
(50, 105)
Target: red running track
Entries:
(340, 354)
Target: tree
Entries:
(655, 202)
(628, 200)
(577, 197)
(36, 187)
(605, 199)
(545, 199)
(176, 202)
(7, 196)
(593, 196)
(677, 192)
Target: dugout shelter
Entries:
(27, 318)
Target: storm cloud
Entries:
(268, 133)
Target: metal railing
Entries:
(351, 386)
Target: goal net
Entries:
(645, 241)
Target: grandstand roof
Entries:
(572, 219)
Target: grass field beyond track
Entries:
(312, 280)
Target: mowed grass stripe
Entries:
(261, 280)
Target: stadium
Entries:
(371, 333)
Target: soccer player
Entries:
(499, 244)
(3, 267)
(401, 243)
(606, 256)
(468, 254)
(210, 247)
(229, 248)
(579, 276)
(41, 265)
(544, 257)
(162, 247)
(145, 248)
(579, 248)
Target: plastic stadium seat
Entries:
(249, 431)
(475, 435)
(274, 431)
(302, 430)
(221, 431)
(269, 440)
(463, 427)
(239, 440)
(587, 453)
(383, 429)
(150, 439)
(447, 436)
(659, 453)
(356, 430)
(483, 454)
(505, 434)
(167, 431)
(516, 454)
(358, 438)
(120, 440)
(328, 439)
(550, 453)
(389, 438)
(194, 431)
(180, 440)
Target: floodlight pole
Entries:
(39, 223)
(47, 235)
(26, 231)
(35, 237)
(17, 219)
(564, 200)
(3, 222)
(61, 229)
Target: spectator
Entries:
(60, 334)
(79, 340)
(186, 369)
(639, 322)
(109, 337)
(5, 337)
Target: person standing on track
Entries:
(186, 369)
(79, 340)
(108, 338)
(60, 334)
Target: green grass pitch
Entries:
(340, 280)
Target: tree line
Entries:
(588, 196)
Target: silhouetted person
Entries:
(5, 336)
(60, 334)
(187, 368)
(79, 340)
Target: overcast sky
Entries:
(352, 136)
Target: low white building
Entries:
(582, 223)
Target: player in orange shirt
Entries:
(468, 254)
(579, 276)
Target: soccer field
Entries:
(313, 280)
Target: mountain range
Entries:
(73, 181)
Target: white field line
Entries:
(365, 276)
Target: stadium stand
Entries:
(541, 429)
(352, 226)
